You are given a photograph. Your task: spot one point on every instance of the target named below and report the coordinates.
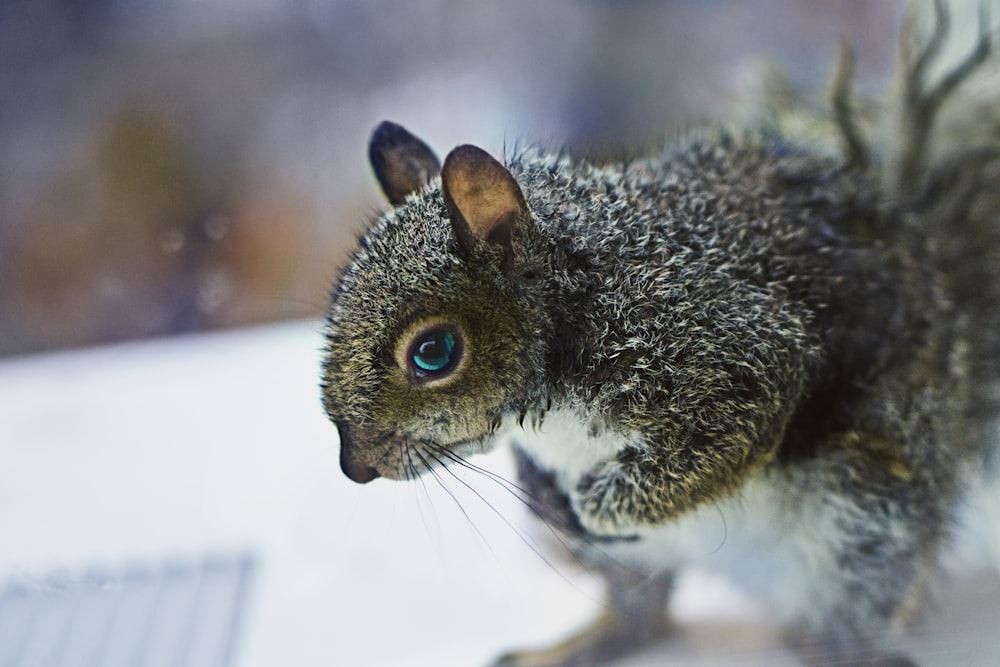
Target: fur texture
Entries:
(751, 319)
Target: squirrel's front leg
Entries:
(648, 486)
(634, 617)
(635, 609)
(608, 499)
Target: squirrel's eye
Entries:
(434, 353)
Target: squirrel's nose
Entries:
(360, 473)
(356, 471)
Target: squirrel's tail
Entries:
(942, 166)
(941, 148)
(941, 163)
(942, 123)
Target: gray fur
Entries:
(743, 319)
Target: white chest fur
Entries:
(755, 537)
(566, 444)
(767, 540)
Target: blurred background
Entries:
(172, 166)
(182, 165)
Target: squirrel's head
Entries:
(431, 336)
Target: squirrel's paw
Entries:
(601, 499)
(610, 637)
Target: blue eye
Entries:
(434, 353)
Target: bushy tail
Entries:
(942, 164)
(942, 140)
(932, 144)
(943, 119)
(942, 159)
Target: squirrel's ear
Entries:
(403, 164)
(484, 201)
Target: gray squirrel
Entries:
(797, 330)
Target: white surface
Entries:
(217, 443)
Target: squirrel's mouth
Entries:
(366, 455)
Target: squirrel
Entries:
(799, 331)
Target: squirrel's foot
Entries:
(611, 636)
(635, 616)
(867, 660)
(816, 651)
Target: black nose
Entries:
(356, 471)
